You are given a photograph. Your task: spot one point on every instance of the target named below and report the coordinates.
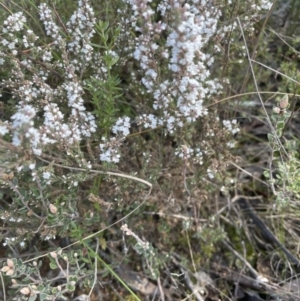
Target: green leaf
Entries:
(53, 265)
(280, 125)
(70, 287)
(32, 298)
(43, 296)
(86, 260)
(270, 138)
(15, 181)
(73, 278)
(279, 133)
(105, 37)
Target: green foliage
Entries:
(105, 94)
(287, 181)
(62, 191)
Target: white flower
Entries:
(210, 173)
(3, 130)
(46, 175)
(23, 116)
(231, 126)
(14, 23)
(32, 166)
(22, 244)
(122, 126)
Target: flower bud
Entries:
(14, 281)
(5, 269)
(10, 272)
(25, 290)
(73, 283)
(284, 102)
(53, 255)
(276, 110)
(53, 209)
(10, 263)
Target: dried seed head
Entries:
(10, 176)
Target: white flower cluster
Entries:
(81, 30)
(187, 152)
(23, 116)
(184, 152)
(148, 121)
(29, 38)
(110, 150)
(264, 4)
(231, 126)
(54, 124)
(186, 82)
(176, 73)
(210, 173)
(23, 127)
(14, 23)
(51, 28)
(122, 126)
(66, 120)
(189, 26)
(11, 241)
(198, 156)
(3, 129)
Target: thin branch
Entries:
(240, 257)
(96, 269)
(257, 90)
(276, 71)
(249, 93)
(3, 287)
(254, 52)
(100, 172)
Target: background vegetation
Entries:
(149, 150)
